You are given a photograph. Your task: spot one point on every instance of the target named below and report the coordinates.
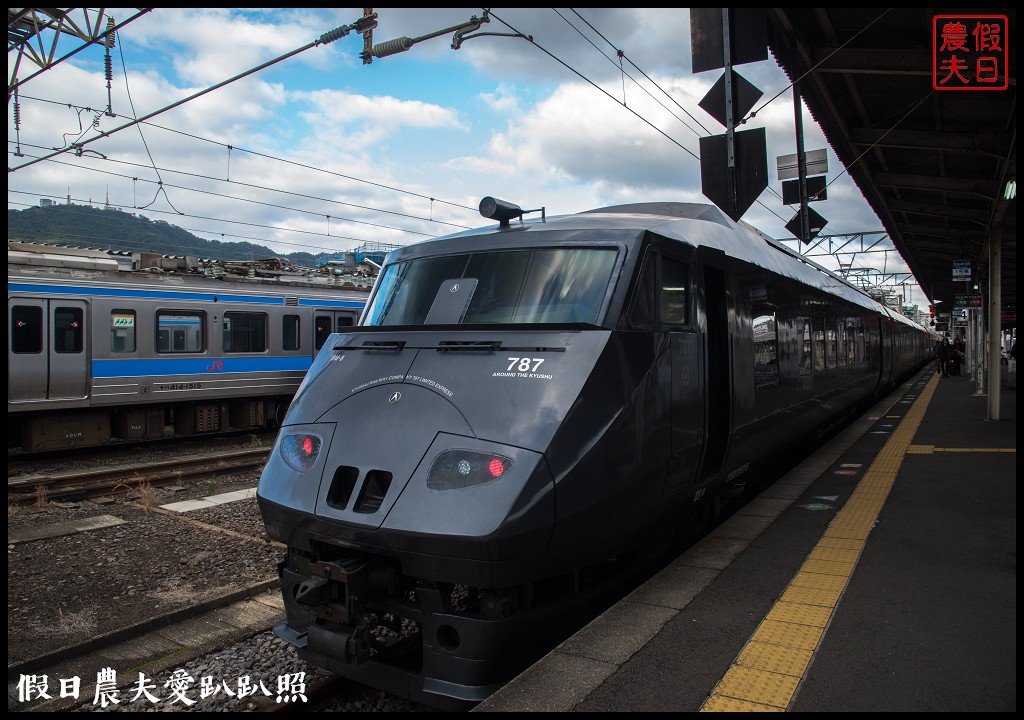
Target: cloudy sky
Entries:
(318, 151)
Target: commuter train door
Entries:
(326, 322)
(47, 349)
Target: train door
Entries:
(718, 372)
(676, 313)
(326, 322)
(47, 356)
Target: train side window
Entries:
(68, 330)
(851, 341)
(765, 333)
(805, 356)
(122, 331)
(180, 332)
(841, 341)
(345, 321)
(26, 329)
(245, 332)
(675, 286)
(862, 350)
(818, 333)
(871, 342)
(830, 340)
(291, 337)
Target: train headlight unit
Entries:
(457, 469)
(301, 450)
(503, 211)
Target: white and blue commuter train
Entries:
(100, 350)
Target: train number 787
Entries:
(523, 364)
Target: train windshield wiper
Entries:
(394, 345)
(470, 345)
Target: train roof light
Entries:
(503, 211)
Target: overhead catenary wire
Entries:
(268, 204)
(323, 39)
(236, 148)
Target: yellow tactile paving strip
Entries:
(766, 674)
(929, 449)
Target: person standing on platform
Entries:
(1011, 370)
(958, 355)
(944, 356)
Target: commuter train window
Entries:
(244, 332)
(180, 332)
(675, 285)
(766, 343)
(513, 287)
(321, 329)
(122, 331)
(26, 329)
(68, 330)
(345, 321)
(291, 337)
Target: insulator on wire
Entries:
(17, 115)
(391, 47)
(110, 38)
(335, 34)
(108, 68)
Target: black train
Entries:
(529, 412)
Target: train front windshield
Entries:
(501, 287)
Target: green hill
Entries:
(108, 229)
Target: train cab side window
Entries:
(122, 331)
(68, 330)
(26, 329)
(643, 312)
(180, 332)
(244, 332)
(291, 336)
(675, 291)
(345, 321)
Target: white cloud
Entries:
(321, 141)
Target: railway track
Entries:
(124, 479)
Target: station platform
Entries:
(878, 575)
